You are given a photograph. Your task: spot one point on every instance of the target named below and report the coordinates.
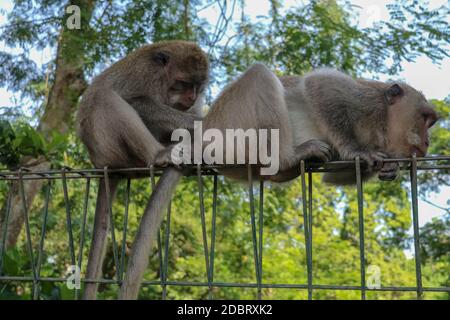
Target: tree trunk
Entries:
(186, 19)
(63, 96)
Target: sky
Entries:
(432, 79)
(417, 74)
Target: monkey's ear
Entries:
(394, 92)
(161, 58)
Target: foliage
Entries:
(20, 141)
(323, 33)
(433, 181)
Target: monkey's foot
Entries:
(314, 150)
(389, 171)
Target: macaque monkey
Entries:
(126, 118)
(255, 100)
(370, 119)
(324, 115)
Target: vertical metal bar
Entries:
(125, 230)
(203, 221)
(83, 227)
(166, 250)
(306, 228)
(5, 226)
(310, 205)
(213, 236)
(253, 223)
(69, 222)
(111, 218)
(68, 217)
(261, 223)
(27, 229)
(362, 259)
(310, 219)
(41, 241)
(158, 242)
(417, 258)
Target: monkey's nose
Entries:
(192, 97)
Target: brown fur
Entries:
(254, 100)
(137, 76)
(126, 115)
(364, 118)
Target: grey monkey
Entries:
(357, 117)
(126, 117)
(255, 100)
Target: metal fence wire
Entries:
(441, 163)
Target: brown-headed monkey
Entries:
(254, 101)
(370, 119)
(127, 115)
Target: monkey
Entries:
(126, 117)
(370, 119)
(323, 115)
(254, 101)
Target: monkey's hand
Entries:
(389, 171)
(165, 158)
(314, 150)
(172, 155)
(373, 160)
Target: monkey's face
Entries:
(410, 117)
(184, 73)
(184, 91)
(183, 94)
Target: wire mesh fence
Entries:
(306, 209)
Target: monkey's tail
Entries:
(98, 245)
(146, 235)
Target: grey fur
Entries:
(352, 116)
(125, 119)
(254, 100)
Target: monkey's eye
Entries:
(431, 122)
(429, 117)
(180, 85)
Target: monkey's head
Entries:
(184, 72)
(409, 117)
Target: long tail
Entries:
(146, 235)
(98, 245)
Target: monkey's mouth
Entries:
(419, 151)
(181, 106)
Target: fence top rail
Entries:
(332, 166)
